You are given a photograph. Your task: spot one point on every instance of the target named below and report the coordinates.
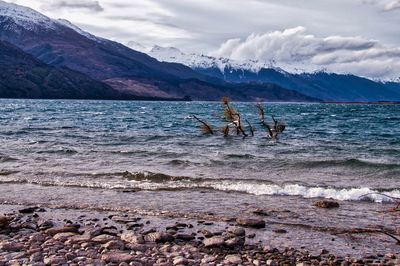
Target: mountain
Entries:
(23, 76)
(322, 85)
(59, 43)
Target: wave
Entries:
(351, 163)
(149, 181)
(5, 158)
(59, 151)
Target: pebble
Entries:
(117, 257)
(102, 239)
(94, 246)
(132, 238)
(215, 241)
(233, 259)
(250, 222)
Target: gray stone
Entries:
(235, 242)
(65, 229)
(62, 237)
(180, 261)
(158, 237)
(233, 259)
(215, 241)
(114, 244)
(132, 238)
(237, 231)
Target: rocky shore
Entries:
(35, 236)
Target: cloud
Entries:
(73, 4)
(392, 5)
(295, 50)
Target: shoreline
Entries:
(45, 236)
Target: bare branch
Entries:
(206, 128)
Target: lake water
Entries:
(152, 156)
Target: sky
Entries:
(346, 36)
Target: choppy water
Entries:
(333, 151)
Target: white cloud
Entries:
(392, 5)
(293, 49)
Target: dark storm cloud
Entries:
(78, 4)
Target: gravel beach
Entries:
(43, 236)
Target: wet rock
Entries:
(233, 259)
(235, 242)
(237, 231)
(250, 222)
(207, 233)
(117, 257)
(326, 204)
(11, 246)
(102, 239)
(65, 229)
(132, 238)
(124, 220)
(46, 224)
(3, 222)
(216, 241)
(158, 237)
(62, 237)
(259, 212)
(280, 231)
(28, 210)
(185, 237)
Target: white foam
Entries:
(354, 194)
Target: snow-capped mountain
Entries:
(201, 61)
(315, 83)
(137, 46)
(25, 17)
(79, 30)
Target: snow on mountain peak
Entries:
(174, 55)
(68, 24)
(25, 16)
(137, 46)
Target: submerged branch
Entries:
(206, 128)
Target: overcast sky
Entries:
(358, 36)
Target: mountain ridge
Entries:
(322, 85)
(134, 74)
